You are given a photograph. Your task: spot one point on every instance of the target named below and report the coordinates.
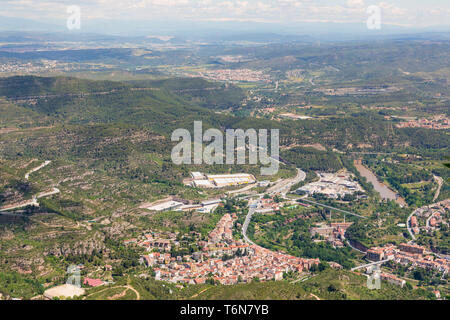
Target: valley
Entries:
(87, 181)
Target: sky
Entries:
(406, 13)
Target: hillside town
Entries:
(430, 218)
(44, 65)
(222, 259)
(410, 255)
(333, 233)
(439, 122)
(235, 75)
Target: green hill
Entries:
(207, 94)
(327, 285)
(71, 100)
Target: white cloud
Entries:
(268, 10)
(263, 7)
(355, 3)
(391, 9)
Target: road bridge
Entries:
(333, 208)
(370, 264)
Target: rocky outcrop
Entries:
(78, 248)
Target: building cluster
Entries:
(392, 279)
(235, 75)
(333, 233)
(439, 122)
(233, 58)
(28, 67)
(333, 185)
(177, 204)
(408, 254)
(201, 180)
(267, 206)
(223, 230)
(295, 74)
(358, 91)
(271, 205)
(294, 116)
(41, 66)
(160, 241)
(432, 217)
(225, 260)
(93, 282)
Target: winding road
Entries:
(408, 220)
(34, 199)
(251, 211)
(27, 175)
(408, 224)
(439, 181)
(282, 187)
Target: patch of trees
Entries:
(312, 159)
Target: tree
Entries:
(322, 266)
(332, 288)
(313, 268)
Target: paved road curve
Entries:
(439, 181)
(251, 211)
(408, 224)
(27, 175)
(34, 200)
(282, 188)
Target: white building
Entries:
(165, 206)
(197, 175)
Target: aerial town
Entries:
(229, 150)
(235, 75)
(223, 259)
(333, 233)
(438, 122)
(430, 218)
(44, 65)
(359, 91)
(410, 255)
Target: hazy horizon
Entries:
(181, 17)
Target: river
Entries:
(380, 187)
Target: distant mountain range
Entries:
(210, 31)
